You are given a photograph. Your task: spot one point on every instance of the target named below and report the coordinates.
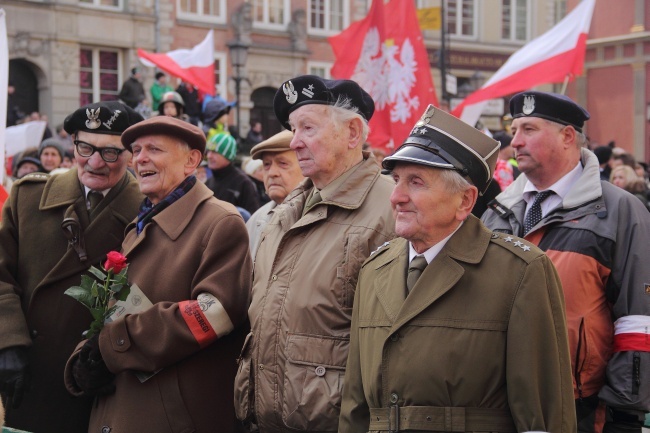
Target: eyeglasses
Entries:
(108, 154)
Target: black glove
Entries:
(14, 375)
(90, 372)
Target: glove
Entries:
(90, 372)
(14, 375)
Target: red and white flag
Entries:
(194, 66)
(385, 54)
(550, 58)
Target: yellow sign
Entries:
(429, 18)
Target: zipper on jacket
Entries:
(576, 373)
(636, 373)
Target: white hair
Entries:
(343, 111)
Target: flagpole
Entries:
(4, 84)
(443, 53)
(566, 82)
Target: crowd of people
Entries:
(466, 282)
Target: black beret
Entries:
(111, 118)
(441, 140)
(166, 125)
(550, 106)
(311, 89)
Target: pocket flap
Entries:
(318, 350)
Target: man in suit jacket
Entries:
(49, 236)
(188, 253)
(473, 337)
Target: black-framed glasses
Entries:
(108, 154)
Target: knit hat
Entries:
(53, 143)
(223, 144)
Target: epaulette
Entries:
(35, 177)
(516, 245)
(376, 253)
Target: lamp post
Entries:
(238, 55)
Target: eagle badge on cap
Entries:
(93, 121)
(529, 105)
(292, 95)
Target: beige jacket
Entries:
(305, 273)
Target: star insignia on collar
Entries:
(508, 239)
(525, 248)
(380, 247)
(518, 244)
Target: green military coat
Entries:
(37, 264)
(480, 343)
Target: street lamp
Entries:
(238, 55)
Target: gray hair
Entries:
(343, 111)
(454, 181)
(581, 138)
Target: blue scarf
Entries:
(148, 210)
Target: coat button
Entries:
(120, 342)
(320, 371)
(274, 277)
(394, 337)
(106, 429)
(393, 398)
(34, 333)
(261, 367)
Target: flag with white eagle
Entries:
(386, 55)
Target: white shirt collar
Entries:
(560, 188)
(432, 252)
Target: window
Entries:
(461, 16)
(113, 4)
(328, 17)
(514, 20)
(560, 10)
(321, 69)
(213, 11)
(99, 77)
(220, 75)
(272, 14)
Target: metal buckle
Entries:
(393, 413)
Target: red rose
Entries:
(115, 261)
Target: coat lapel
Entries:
(468, 245)
(390, 280)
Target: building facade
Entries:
(64, 53)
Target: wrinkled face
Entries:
(161, 163)
(216, 160)
(26, 168)
(319, 143)
(425, 211)
(281, 174)
(537, 144)
(169, 109)
(94, 172)
(50, 159)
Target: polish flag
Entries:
(385, 54)
(195, 66)
(550, 58)
(3, 197)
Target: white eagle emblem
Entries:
(529, 105)
(292, 95)
(93, 121)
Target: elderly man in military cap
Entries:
(53, 229)
(291, 371)
(281, 175)
(454, 328)
(188, 253)
(598, 237)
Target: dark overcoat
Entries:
(37, 264)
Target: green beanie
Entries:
(224, 144)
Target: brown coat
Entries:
(306, 268)
(481, 336)
(36, 267)
(197, 245)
